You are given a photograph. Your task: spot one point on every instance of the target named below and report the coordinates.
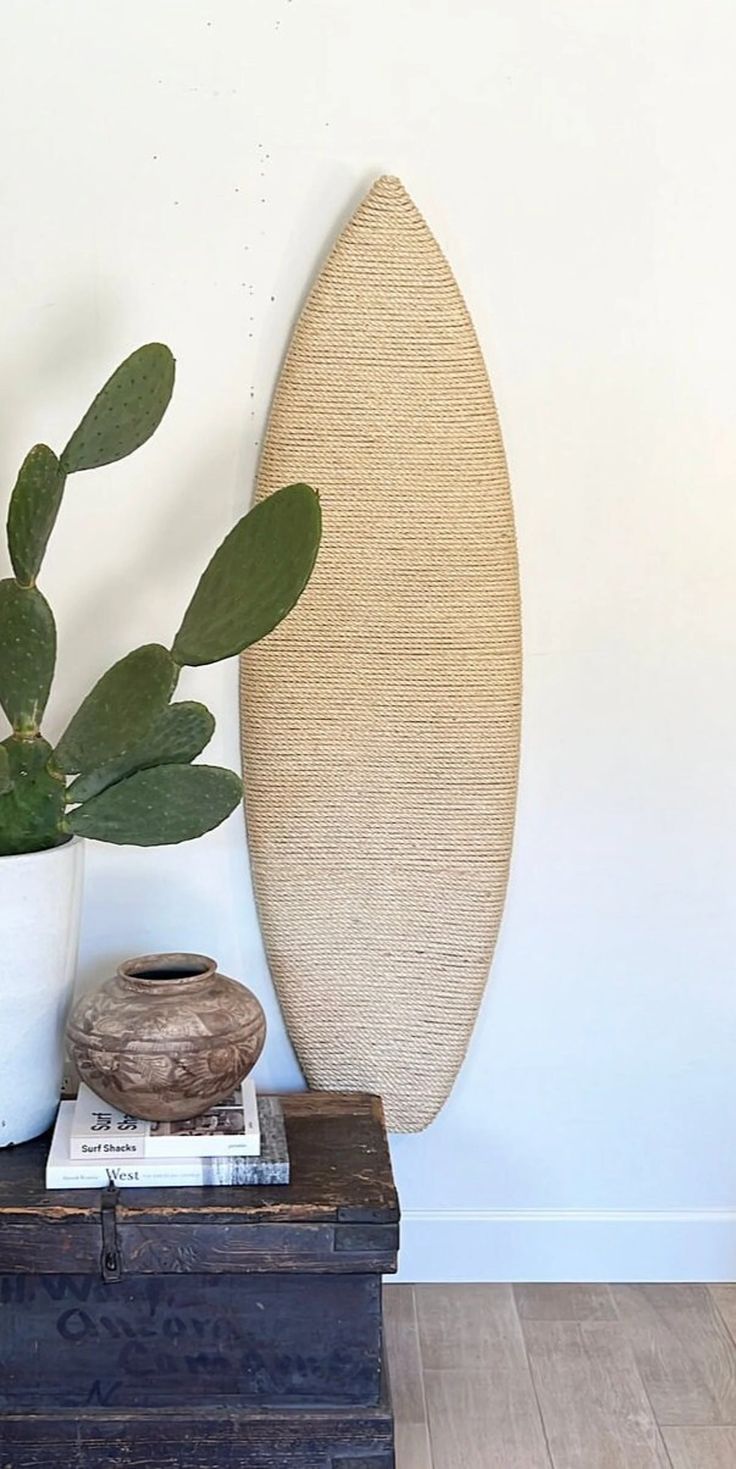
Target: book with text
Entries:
(271, 1167)
(230, 1130)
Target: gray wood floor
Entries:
(563, 1376)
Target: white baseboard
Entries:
(568, 1245)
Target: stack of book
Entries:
(241, 1141)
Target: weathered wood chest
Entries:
(203, 1328)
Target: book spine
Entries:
(88, 1149)
(250, 1108)
(209, 1172)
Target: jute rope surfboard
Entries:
(381, 720)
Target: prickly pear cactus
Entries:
(254, 579)
(175, 738)
(123, 770)
(167, 803)
(125, 412)
(34, 506)
(119, 711)
(27, 655)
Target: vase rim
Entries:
(71, 842)
(157, 973)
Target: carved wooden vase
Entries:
(166, 1037)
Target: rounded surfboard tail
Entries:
(381, 721)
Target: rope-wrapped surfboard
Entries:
(381, 720)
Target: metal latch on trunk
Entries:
(110, 1264)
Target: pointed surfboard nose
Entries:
(389, 187)
(380, 722)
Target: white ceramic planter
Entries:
(40, 900)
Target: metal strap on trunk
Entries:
(110, 1264)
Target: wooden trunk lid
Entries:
(338, 1214)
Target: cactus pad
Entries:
(34, 506)
(175, 738)
(119, 711)
(173, 803)
(253, 579)
(125, 412)
(27, 654)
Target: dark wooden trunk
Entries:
(348, 1438)
(144, 1342)
(210, 1328)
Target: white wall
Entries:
(173, 169)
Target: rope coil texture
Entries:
(380, 722)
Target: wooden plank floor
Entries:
(563, 1376)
